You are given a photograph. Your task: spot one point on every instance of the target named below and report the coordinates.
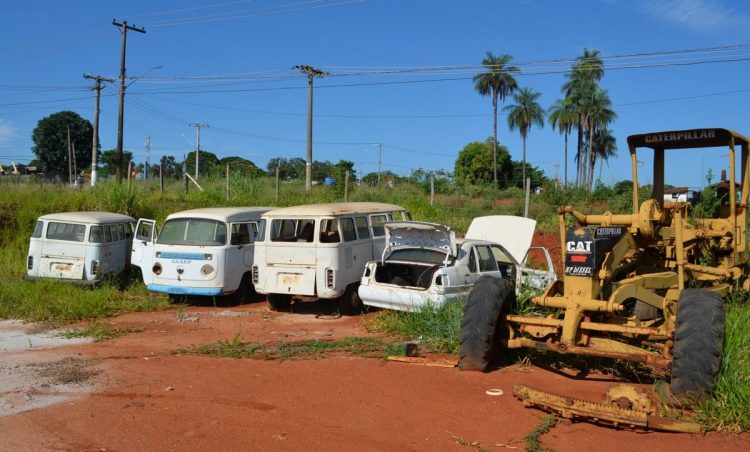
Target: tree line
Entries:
(585, 107)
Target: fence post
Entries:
(432, 189)
(227, 182)
(277, 185)
(346, 186)
(130, 164)
(161, 178)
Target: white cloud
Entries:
(700, 15)
(7, 131)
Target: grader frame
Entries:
(619, 266)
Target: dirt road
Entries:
(143, 396)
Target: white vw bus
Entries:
(205, 252)
(320, 250)
(79, 246)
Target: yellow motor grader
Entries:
(644, 286)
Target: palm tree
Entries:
(497, 82)
(563, 117)
(596, 115)
(605, 147)
(581, 85)
(524, 114)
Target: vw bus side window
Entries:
(378, 230)
(96, 235)
(38, 230)
(347, 229)
(107, 233)
(363, 231)
(259, 230)
(329, 231)
(66, 231)
(121, 231)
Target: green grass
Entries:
(100, 331)
(366, 347)
(729, 409)
(437, 329)
(534, 438)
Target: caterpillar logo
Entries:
(574, 246)
(681, 136)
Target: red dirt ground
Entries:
(150, 398)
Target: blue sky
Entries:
(227, 64)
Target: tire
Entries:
(350, 303)
(483, 326)
(279, 301)
(244, 291)
(698, 345)
(643, 311)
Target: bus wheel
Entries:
(279, 301)
(350, 303)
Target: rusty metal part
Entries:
(423, 361)
(644, 357)
(626, 396)
(591, 326)
(605, 414)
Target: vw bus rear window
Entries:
(293, 230)
(193, 232)
(70, 232)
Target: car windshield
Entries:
(418, 255)
(193, 231)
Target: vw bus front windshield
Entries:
(193, 232)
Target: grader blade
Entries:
(598, 413)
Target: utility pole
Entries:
(124, 27)
(311, 73)
(148, 157)
(197, 143)
(95, 142)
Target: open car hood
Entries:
(513, 233)
(417, 234)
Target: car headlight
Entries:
(207, 271)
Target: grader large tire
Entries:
(698, 345)
(483, 326)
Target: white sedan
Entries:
(424, 264)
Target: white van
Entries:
(205, 252)
(79, 246)
(320, 250)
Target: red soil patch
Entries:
(151, 398)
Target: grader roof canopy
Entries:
(682, 139)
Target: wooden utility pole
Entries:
(95, 142)
(311, 73)
(124, 27)
(346, 186)
(197, 126)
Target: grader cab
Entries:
(644, 286)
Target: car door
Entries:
(239, 255)
(142, 252)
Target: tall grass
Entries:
(729, 409)
(437, 329)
